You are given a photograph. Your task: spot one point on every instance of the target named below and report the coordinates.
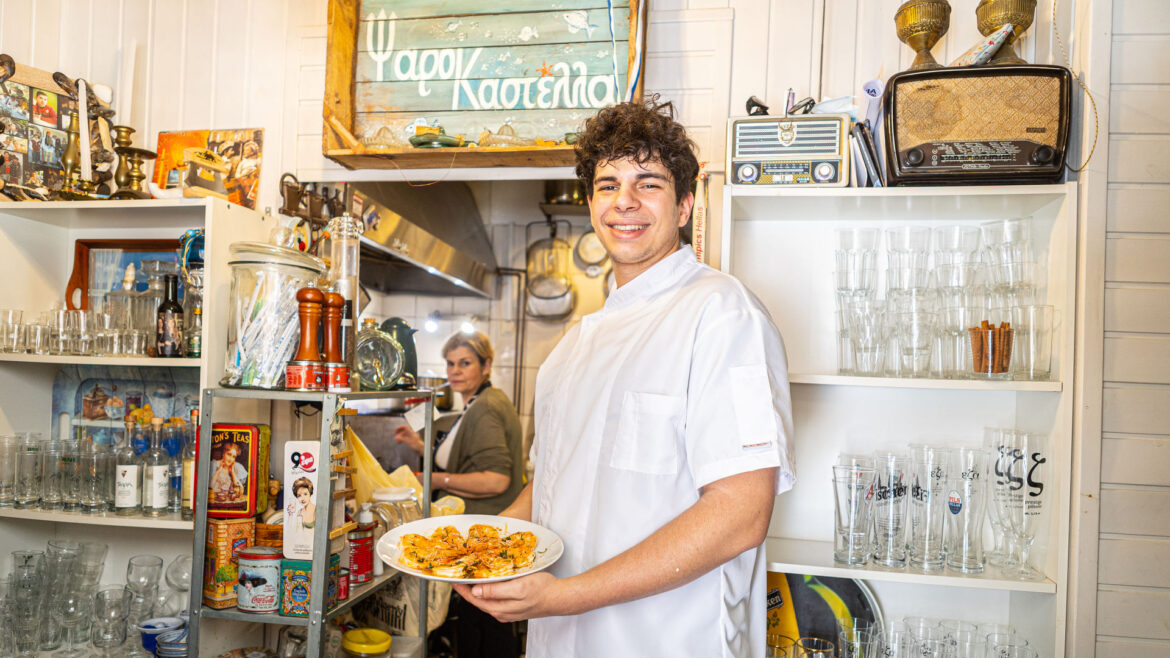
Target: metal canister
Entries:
(337, 378)
(361, 554)
(342, 584)
(258, 586)
(304, 376)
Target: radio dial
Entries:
(915, 157)
(1043, 155)
(747, 173)
(824, 171)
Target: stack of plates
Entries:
(172, 644)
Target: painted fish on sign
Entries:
(543, 66)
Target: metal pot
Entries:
(564, 191)
(444, 396)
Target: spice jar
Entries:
(366, 643)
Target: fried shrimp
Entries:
(483, 553)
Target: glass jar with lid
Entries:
(262, 324)
(379, 360)
(366, 643)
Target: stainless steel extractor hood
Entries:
(427, 240)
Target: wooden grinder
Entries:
(336, 370)
(306, 372)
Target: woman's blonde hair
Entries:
(477, 342)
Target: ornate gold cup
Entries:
(921, 23)
(994, 14)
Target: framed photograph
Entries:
(100, 265)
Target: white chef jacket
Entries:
(680, 380)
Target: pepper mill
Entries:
(306, 372)
(336, 370)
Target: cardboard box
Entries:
(225, 538)
(302, 467)
(238, 484)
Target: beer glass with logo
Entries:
(853, 493)
(927, 506)
(966, 498)
(891, 491)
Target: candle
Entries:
(83, 127)
(126, 83)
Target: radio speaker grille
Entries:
(978, 108)
(762, 140)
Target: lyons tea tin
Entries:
(238, 483)
(258, 587)
(296, 580)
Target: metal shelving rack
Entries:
(331, 404)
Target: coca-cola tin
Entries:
(258, 587)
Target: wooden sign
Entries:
(471, 68)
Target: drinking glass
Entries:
(966, 498)
(815, 647)
(956, 630)
(53, 472)
(856, 258)
(890, 500)
(111, 605)
(976, 648)
(90, 564)
(908, 239)
(1016, 651)
(922, 628)
(1029, 479)
(1032, 349)
(867, 330)
(134, 342)
(143, 572)
(845, 362)
(81, 337)
(61, 331)
(991, 342)
(11, 335)
(955, 244)
(93, 466)
(36, 338)
(71, 477)
(1006, 240)
(70, 610)
(8, 456)
(28, 475)
(954, 342)
(1000, 643)
(853, 495)
(1000, 554)
(898, 644)
(936, 649)
(854, 643)
(915, 339)
(927, 507)
(780, 646)
(1000, 630)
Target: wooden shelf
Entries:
(953, 203)
(453, 157)
(153, 213)
(356, 594)
(128, 361)
(168, 522)
(816, 558)
(939, 384)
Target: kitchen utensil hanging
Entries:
(590, 254)
(551, 294)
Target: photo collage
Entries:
(33, 137)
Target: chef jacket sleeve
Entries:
(488, 447)
(739, 412)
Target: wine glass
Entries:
(1029, 475)
(70, 609)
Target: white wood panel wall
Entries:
(200, 63)
(1133, 574)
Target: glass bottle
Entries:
(120, 303)
(195, 334)
(147, 302)
(169, 321)
(127, 476)
(193, 305)
(139, 437)
(190, 454)
(175, 471)
(379, 359)
(156, 481)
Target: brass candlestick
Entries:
(74, 188)
(122, 139)
(134, 188)
(921, 23)
(994, 14)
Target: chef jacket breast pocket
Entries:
(649, 434)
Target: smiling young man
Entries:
(663, 430)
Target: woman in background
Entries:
(480, 461)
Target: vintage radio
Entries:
(804, 149)
(977, 125)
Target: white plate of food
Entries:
(470, 548)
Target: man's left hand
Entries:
(529, 597)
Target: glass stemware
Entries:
(1028, 477)
(111, 605)
(70, 609)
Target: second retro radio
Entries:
(805, 149)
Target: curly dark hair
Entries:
(645, 132)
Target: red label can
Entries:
(303, 376)
(337, 377)
(343, 584)
(361, 554)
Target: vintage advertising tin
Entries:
(337, 378)
(225, 539)
(238, 484)
(305, 376)
(302, 465)
(296, 579)
(258, 586)
(342, 584)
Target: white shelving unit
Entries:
(36, 259)
(779, 242)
